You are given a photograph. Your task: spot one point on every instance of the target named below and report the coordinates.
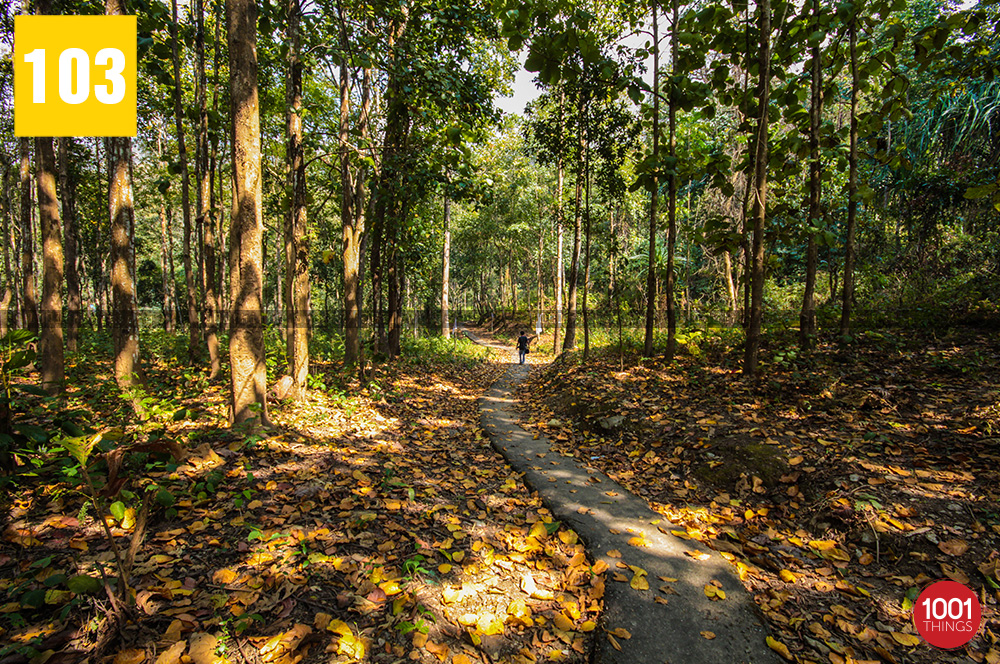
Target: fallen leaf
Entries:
(708, 635)
(130, 656)
(172, 655)
(621, 633)
(954, 547)
(778, 647)
(906, 639)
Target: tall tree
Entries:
(124, 315)
(296, 231)
(807, 317)
(759, 204)
(647, 346)
(446, 267)
(852, 184)
(74, 299)
(672, 186)
(50, 343)
(194, 342)
(569, 341)
(206, 214)
(29, 312)
(248, 383)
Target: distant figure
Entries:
(522, 346)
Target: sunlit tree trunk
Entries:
(246, 345)
(560, 175)
(50, 343)
(446, 268)
(647, 348)
(192, 289)
(759, 191)
(29, 308)
(296, 238)
(586, 253)
(852, 191)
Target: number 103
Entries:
(75, 89)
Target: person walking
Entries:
(522, 346)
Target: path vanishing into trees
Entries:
(660, 585)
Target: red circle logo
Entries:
(947, 614)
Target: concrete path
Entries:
(607, 516)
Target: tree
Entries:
(74, 301)
(50, 343)
(124, 316)
(248, 383)
(296, 238)
(759, 195)
(29, 313)
(647, 346)
(192, 308)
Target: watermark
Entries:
(75, 76)
(947, 614)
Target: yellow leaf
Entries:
(461, 658)
(638, 541)
(352, 646)
(796, 460)
(444, 569)
(338, 627)
(588, 626)
(468, 619)
(538, 531)
(451, 595)
(639, 582)
(621, 633)
(568, 537)
(614, 553)
(787, 576)
(203, 649)
(708, 635)
(458, 557)
(614, 643)
(906, 639)
(779, 647)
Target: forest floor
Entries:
(373, 524)
(841, 484)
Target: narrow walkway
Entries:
(689, 628)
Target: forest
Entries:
(748, 241)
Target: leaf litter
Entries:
(839, 486)
(379, 527)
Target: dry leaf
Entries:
(708, 635)
(172, 655)
(954, 547)
(621, 633)
(130, 656)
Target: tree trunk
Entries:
(125, 324)
(246, 345)
(852, 191)
(807, 318)
(352, 223)
(165, 273)
(296, 239)
(760, 192)
(5, 240)
(74, 301)
(671, 285)
(569, 341)
(192, 291)
(647, 348)
(560, 175)
(50, 345)
(206, 216)
(586, 233)
(29, 311)
(446, 268)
